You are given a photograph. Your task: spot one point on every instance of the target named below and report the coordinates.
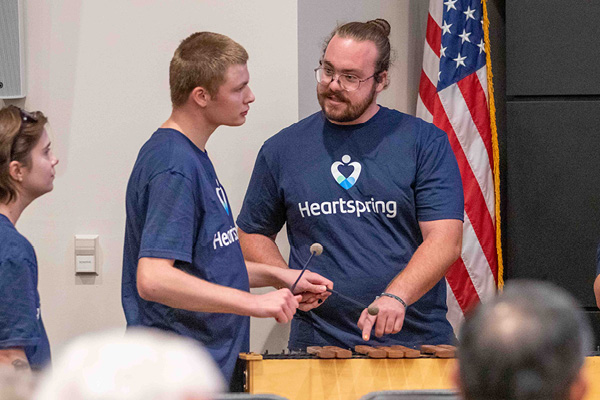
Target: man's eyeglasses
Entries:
(347, 82)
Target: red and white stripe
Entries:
(462, 111)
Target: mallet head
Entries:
(316, 249)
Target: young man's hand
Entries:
(280, 304)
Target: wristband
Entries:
(393, 296)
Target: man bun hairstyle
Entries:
(375, 30)
(18, 136)
(202, 59)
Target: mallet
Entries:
(315, 249)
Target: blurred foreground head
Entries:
(15, 384)
(137, 365)
(529, 342)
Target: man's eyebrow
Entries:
(345, 71)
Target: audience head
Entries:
(20, 133)
(15, 385)
(528, 343)
(202, 60)
(137, 365)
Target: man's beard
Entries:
(351, 112)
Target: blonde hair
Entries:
(202, 60)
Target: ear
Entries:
(200, 96)
(15, 170)
(383, 82)
(579, 387)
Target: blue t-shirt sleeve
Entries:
(18, 308)
(263, 210)
(438, 192)
(171, 219)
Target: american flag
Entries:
(453, 94)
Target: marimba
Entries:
(304, 376)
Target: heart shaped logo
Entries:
(346, 182)
(222, 198)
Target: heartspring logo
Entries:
(344, 182)
(224, 239)
(222, 198)
(348, 206)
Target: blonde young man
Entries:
(183, 269)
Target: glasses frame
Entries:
(333, 77)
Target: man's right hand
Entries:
(280, 304)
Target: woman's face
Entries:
(38, 175)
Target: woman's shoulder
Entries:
(14, 246)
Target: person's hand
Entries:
(280, 304)
(389, 319)
(312, 287)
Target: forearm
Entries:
(170, 286)
(16, 357)
(427, 266)
(261, 249)
(261, 275)
(442, 242)
(429, 263)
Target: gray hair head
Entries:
(15, 385)
(529, 342)
(136, 365)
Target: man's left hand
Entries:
(388, 320)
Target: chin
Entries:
(236, 123)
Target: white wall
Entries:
(99, 70)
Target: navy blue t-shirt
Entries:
(20, 317)
(178, 210)
(359, 190)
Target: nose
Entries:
(55, 161)
(250, 98)
(335, 80)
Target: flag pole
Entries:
(495, 151)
